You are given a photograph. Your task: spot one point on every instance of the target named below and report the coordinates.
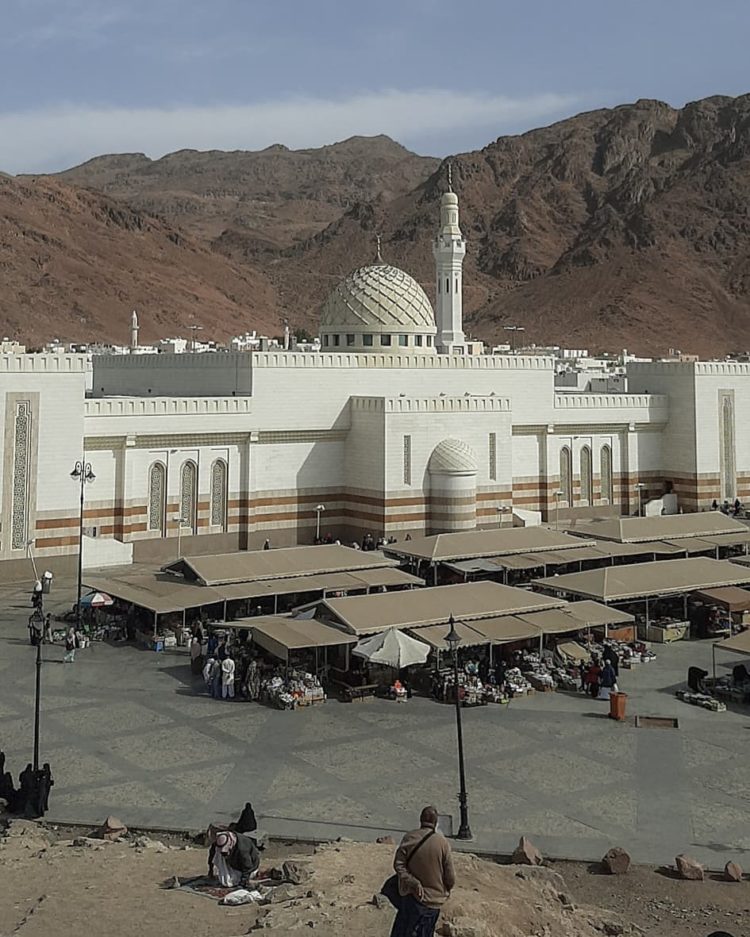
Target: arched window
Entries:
(189, 495)
(157, 497)
(587, 481)
(605, 474)
(219, 494)
(566, 475)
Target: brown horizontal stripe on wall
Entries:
(43, 542)
(57, 523)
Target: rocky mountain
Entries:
(627, 227)
(73, 264)
(267, 199)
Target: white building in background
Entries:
(379, 426)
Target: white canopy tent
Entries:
(392, 648)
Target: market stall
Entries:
(740, 680)
(660, 589)
(718, 612)
(301, 645)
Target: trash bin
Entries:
(617, 704)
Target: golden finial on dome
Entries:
(378, 255)
(450, 176)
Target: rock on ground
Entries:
(526, 853)
(689, 869)
(616, 861)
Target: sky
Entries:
(85, 77)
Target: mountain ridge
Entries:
(617, 227)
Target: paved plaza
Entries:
(131, 732)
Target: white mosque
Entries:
(392, 427)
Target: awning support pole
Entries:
(491, 648)
(684, 607)
(275, 604)
(434, 574)
(225, 609)
(713, 655)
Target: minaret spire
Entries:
(449, 250)
(133, 329)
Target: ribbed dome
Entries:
(453, 457)
(378, 298)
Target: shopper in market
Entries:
(610, 655)
(227, 678)
(593, 678)
(607, 681)
(424, 867)
(71, 641)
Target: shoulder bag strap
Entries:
(418, 847)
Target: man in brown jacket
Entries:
(424, 867)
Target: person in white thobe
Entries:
(227, 678)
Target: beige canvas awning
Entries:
(554, 621)
(327, 582)
(434, 635)
(506, 629)
(662, 527)
(692, 545)
(642, 580)
(518, 561)
(414, 608)
(279, 634)
(288, 562)
(610, 548)
(471, 544)
(154, 591)
(594, 614)
(739, 644)
(731, 540)
(731, 597)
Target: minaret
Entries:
(133, 330)
(449, 250)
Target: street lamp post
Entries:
(37, 702)
(319, 508)
(464, 830)
(179, 521)
(558, 495)
(82, 473)
(640, 487)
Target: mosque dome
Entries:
(453, 457)
(378, 308)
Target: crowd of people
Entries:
(599, 675)
(31, 798)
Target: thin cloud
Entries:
(52, 139)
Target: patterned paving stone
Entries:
(110, 720)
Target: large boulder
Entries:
(733, 872)
(526, 853)
(112, 829)
(616, 861)
(689, 869)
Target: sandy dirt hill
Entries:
(55, 886)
